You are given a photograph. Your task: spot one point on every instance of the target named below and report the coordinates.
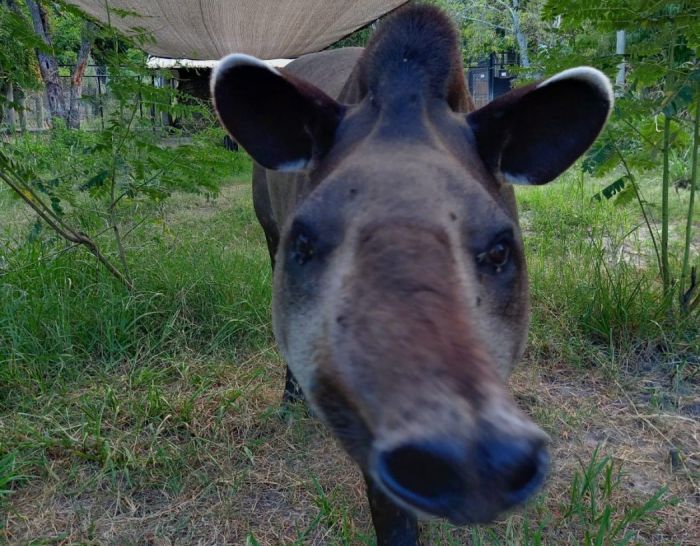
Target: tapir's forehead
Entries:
(402, 179)
(422, 151)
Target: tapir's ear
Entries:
(532, 134)
(281, 121)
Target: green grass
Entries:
(61, 312)
(153, 416)
(591, 515)
(593, 272)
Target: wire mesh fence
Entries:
(28, 111)
(486, 80)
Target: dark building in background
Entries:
(491, 77)
(194, 82)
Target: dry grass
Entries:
(582, 410)
(246, 472)
(191, 449)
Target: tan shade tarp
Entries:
(269, 29)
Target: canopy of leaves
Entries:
(17, 59)
(488, 26)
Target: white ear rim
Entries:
(234, 60)
(516, 179)
(588, 74)
(293, 166)
(241, 59)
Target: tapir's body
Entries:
(400, 299)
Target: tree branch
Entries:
(65, 231)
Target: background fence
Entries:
(94, 107)
(486, 80)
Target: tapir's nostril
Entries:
(424, 475)
(518, 465)
(472, 484)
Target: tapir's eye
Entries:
(303, 247)
(497, 256)
(311, 240)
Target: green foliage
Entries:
(100, 181)
(653, 121)
(359, 38)
(17, 60)
(592, 502)
(8, 475)
(66, 27)
(613, 189)
(490, 26)
(662, 42)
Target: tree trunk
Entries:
(519, 34)
(10, 98)
(18, 93)
(6, 112)
(47, 62)
(76, 80)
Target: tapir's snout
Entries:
(441, 477)
(446, 438)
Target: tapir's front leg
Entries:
(393, 525)
(292, 391)
(263, 211)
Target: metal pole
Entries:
(99, 98)
(620, 50)
(153, 105)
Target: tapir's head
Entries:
(400, 290)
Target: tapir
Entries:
(400, 290)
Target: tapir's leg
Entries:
(263, 211)
(292, 391)
(393, 525)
